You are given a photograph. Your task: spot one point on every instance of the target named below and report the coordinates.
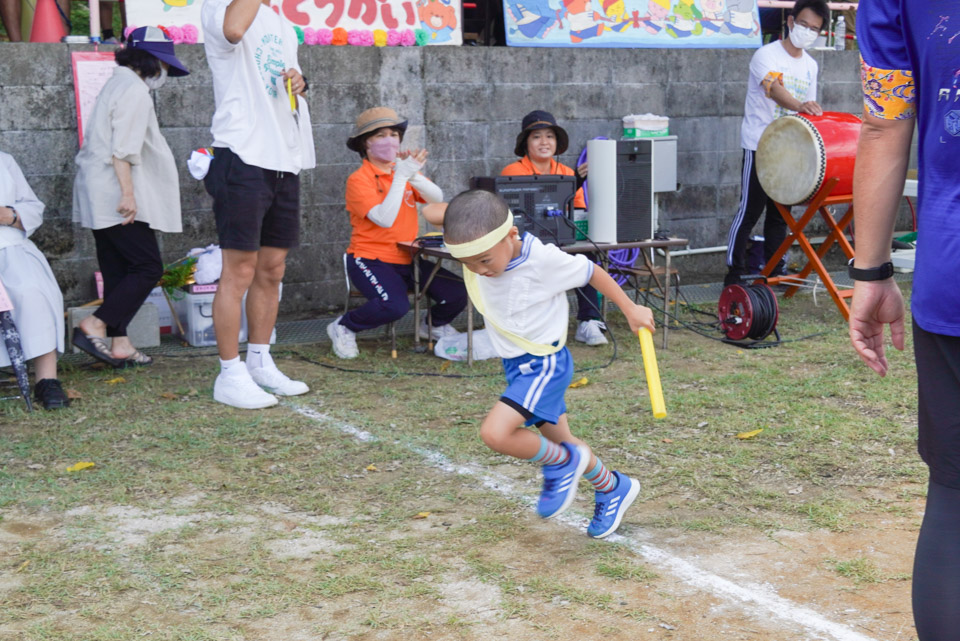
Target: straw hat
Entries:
(540, 120)
(371, 120)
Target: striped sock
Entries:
(601, 478)
(550, 453)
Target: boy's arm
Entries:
(637, 315)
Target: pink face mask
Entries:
(384, 149)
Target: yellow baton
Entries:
(653, 374)
(293, 100)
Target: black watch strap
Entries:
(882, 272)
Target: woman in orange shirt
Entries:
(382, 197)
(539, 142)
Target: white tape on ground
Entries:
(759, 596)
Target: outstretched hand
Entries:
(419, 155)
(875, 304)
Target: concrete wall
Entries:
(464, 104)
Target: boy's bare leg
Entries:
(502, 431)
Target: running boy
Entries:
(524, 302)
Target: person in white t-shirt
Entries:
(520, 286)
(262, 139)
(783, 80)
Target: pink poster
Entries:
(91, 70)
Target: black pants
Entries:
(936, 568)
(385, 286)
(587, 304)
(753, 202)
(130, 263)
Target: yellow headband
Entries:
(482, 244)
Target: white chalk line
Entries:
(761, 596)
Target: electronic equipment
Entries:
(539, 203)
(644, 167)
(634, 190)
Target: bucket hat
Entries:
(540, 120)
(156, 43)
(371, 120)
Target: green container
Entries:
(630, 133)
(583, 228)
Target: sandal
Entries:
(137, 359)
(94, 346)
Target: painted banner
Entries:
(433, 22)
(633, 23)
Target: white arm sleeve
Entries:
(427, 188)
(386, 212)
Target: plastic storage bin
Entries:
(195, 312)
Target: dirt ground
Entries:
(691, 585)
(369, 509)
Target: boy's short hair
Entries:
(472, 215)
(819, 7)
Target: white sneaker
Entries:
(344, 341)
(276, 382)
(591, 333)
(236, 388)
(436, 333)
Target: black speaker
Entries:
(539, 203)
(634, 190)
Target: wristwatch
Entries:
(883, 272)
(16, 216)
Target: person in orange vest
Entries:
(382, 197)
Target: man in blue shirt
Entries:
(911, 76)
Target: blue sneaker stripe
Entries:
(610, 509)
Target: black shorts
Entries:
(938, 380)
(253, 207)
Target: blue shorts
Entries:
(536, 385)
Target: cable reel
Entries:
(748, 313)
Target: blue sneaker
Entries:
(560, 481)
(612, 505)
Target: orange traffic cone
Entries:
(47, 24)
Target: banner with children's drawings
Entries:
(633, 23)
(324, 22)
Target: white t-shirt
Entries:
(799, 78)
(253, 116)
(530, 297)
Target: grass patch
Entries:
(862, 570)
(175, 533)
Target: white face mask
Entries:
(803, 37)
(155, 82)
